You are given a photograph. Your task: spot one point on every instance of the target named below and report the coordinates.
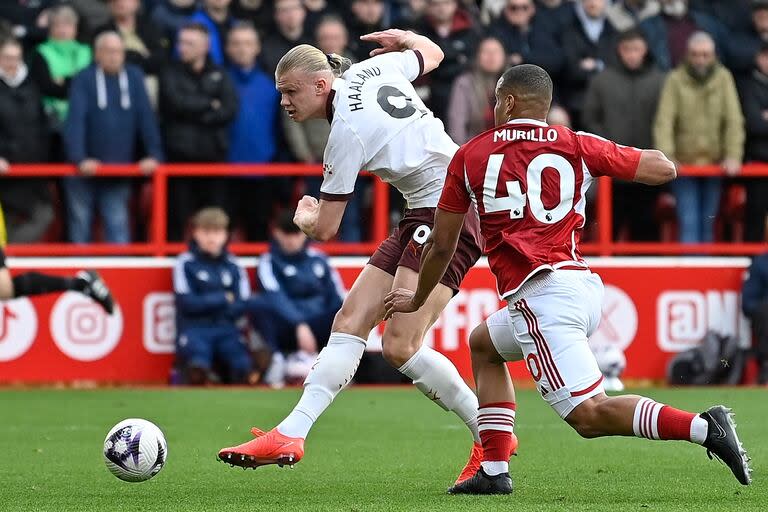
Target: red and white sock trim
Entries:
(495, 418)
(646, 420)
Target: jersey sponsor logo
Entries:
(532, 135)
(355, 102)
(685, 316)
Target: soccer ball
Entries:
(135, 450)
(612, 362)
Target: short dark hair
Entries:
(195, 26)
(244, 25)
(631, 35)
(526, 80)
(759, 5)
(284, 222)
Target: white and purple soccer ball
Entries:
(612, 362)
(135, 450)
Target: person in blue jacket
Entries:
(212, 291)
(301, 293)
(216, 16)
(754, 303)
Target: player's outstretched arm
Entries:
(320, 220)
(654, 168)
(436, 256)
(396, 40)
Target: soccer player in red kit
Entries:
(528, 181)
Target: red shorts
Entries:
(403, 247)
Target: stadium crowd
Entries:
(120, 81)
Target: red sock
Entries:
(675, 424)
(495, 423)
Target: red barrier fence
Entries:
(158, 245)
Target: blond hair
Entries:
(309, 59)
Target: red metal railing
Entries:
(158, 244)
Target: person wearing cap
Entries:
(754, 100)
(301, 294)
(212, 291)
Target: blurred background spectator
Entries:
(620, 105)
(109, 119)
(26, 203)
(668, 32)
(53, 65)
(26, 21)
(754, 302)
(754, 98)
(524, 38)
(289, 32)
(301, 294)
(171, 15)
(258, 12)
(364, 17)
(254, 131)
(699, 122)
(197, 104)
(212, 290)
(215, 16)
(626, 14)
(743, 46)
(474, 93)
(588, 46)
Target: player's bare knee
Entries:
(585, 419)
(397, 351)
(480, 341)
(349, 321)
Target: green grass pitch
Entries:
(386, 449)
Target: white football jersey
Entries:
(380, 124)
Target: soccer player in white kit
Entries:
(378, 123)
(528, 181)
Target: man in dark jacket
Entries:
(109, 119)
(254, 131)
(754, 303)
(668, 33)
(301, 294)
(754, 100)
(197, 104)
(171, 15)
(212, 290)
(589, 45)
(365, 16)
(524, 38)
(26, 203)
(145, 44)
(454, 31)
(620, 105)
(743, 46)
(289, 32)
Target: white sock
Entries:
(496, 467)
(438, 379)
(333, 370)
(699, 430)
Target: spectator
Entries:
(560, 117)
(754, 303)
(754, 98)
(317, 10)
(301, 295)
(699, 122)
(54, 64)
(589, 46)
(734, 14)
(253, 135)
(145, 45)
(668, 32)
(365, 16)
(620, 105)
(453, 30)
(556, 16)
(474, 93)
(171, 15)
(93, 13)
(289, 32)
(743, 46)
(109, 119)
(27, 20)
(523, 38)
(217, 18)
(627, 14)
(211, 290)
(26, 203)
(197, 104)
(258, 12)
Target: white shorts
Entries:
(547, 323)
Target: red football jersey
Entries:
(529, 181)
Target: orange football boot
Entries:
(476, 457)
(268, 448)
